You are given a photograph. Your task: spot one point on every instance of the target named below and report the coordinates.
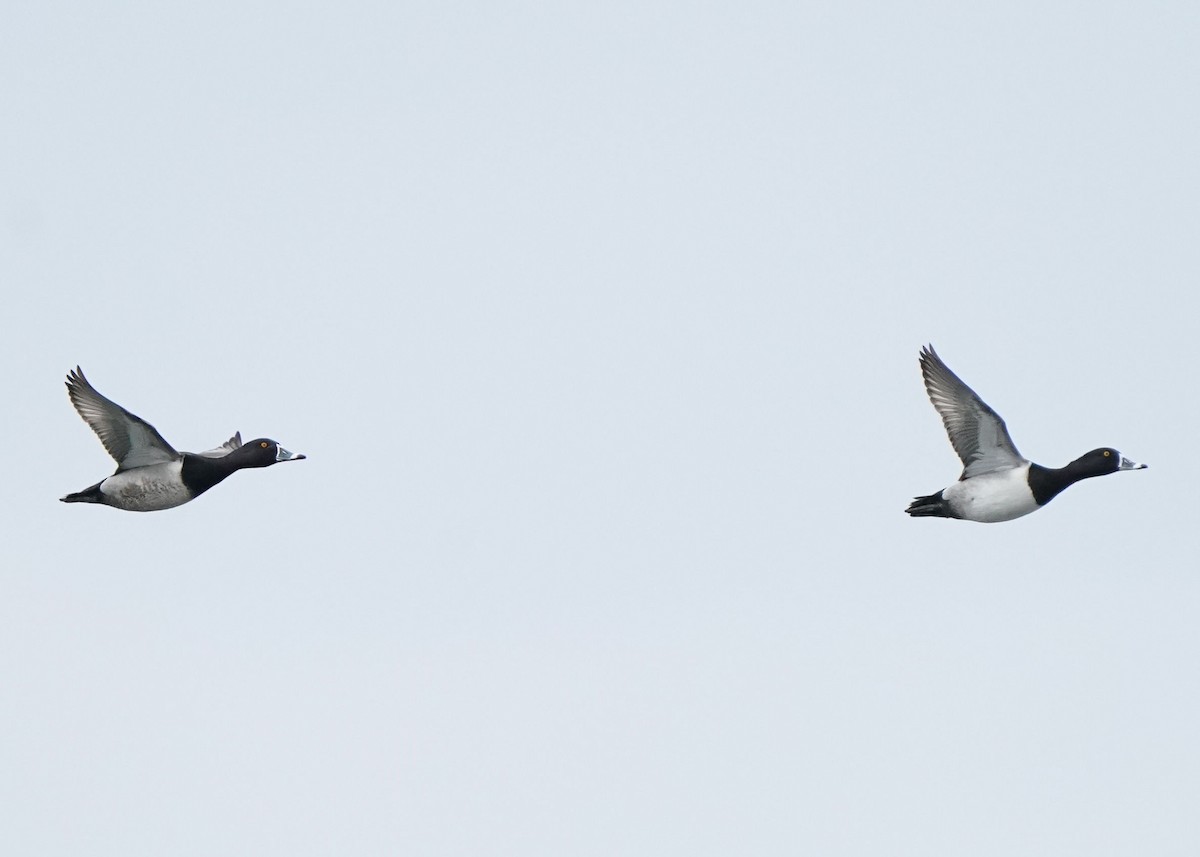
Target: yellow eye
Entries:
(1106, 452)
(264, 446)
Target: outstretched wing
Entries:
(976, 432)
(129, 439)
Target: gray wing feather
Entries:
(977, 433)
(225, 448)
(129, 439)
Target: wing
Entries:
(225, 448)
(976, 432)
(129, 439)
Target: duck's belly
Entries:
(147, 489)
(992, 497)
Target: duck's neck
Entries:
(201, 473)
(1046, 483)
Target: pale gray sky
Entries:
(599, 326)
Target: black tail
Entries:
(933, 506)
(87, 495)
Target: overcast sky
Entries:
(598, 324)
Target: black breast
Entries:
(201, 473)
(1046, 484)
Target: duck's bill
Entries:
(282, 454)
(1126, 464)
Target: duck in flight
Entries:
(997, 482)
(150, 474)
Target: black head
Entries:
(1101, 462)
(262, 452)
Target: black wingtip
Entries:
(76, 378)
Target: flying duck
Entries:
(150, 474)
(997, 482)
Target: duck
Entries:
(150, 474)
(997, 483)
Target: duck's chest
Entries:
(993, 497)
(147, 489)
